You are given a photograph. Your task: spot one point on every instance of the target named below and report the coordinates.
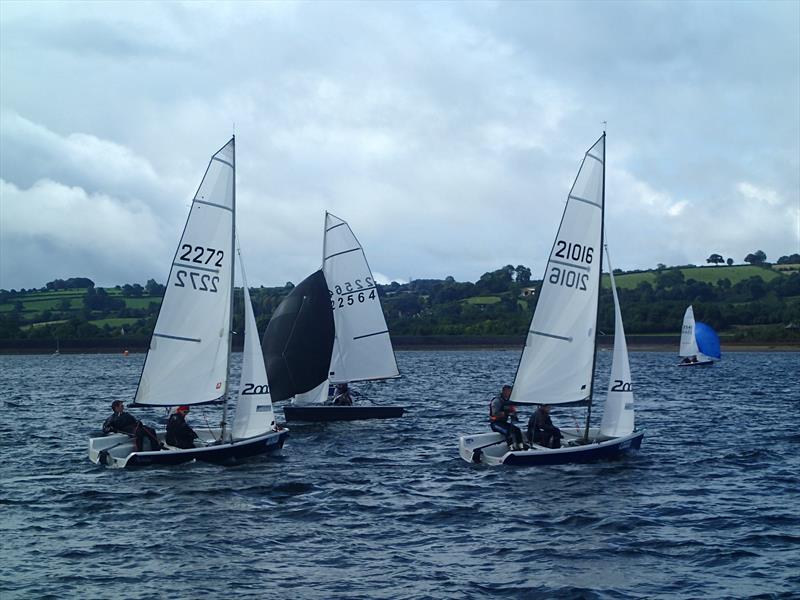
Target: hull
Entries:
(704, 363)
(116, 451)
(491, 449)
(341, 413)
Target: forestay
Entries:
(556, 365)
(187, 362)
(254, 414)
(362, 349)
(618, 415)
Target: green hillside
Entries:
(742, 302)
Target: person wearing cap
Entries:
(501, 415)
(541, 429)
(179, 434)
(120, 421)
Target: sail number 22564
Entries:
(348, 293)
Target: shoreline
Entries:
(632, 347)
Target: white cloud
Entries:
(446, 134)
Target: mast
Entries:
(599, 289)
(223, 423)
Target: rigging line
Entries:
(335, 226)
(342, 252)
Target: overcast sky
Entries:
(446, 134)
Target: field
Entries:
(734, 274)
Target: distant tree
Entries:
(660, 267)
(756, 258)
(132, 291)
(792, 259)
(153, 289)
(289, 285)
(523, 275)
(729, 262)
(715, 259)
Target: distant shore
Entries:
(636, 343)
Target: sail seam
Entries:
(366, 289)
(224, 162)
(189, 266)
(600, 160)
(213, 204)
(568, 264)
(334, 227)
(551, 335)
(370, 334)
(175, 337)
(579, 199)
(339, 253)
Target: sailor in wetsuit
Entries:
(120, 421)
(541, 429)
(501, 412)
(179, 434)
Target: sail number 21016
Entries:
(564, 275)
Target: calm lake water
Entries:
(387, 509)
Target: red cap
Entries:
(182, 408)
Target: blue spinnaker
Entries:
(707, 340)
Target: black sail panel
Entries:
(299, 339)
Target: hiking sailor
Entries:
(501, 414)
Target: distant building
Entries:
(527, 291)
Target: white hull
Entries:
(116, 451)
(491, 449)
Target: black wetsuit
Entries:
(120, 423)
(542, 431)
(179, 434)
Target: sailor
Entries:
(342, 396)
(179, 434)
(120, 421)
(541, 429)
(501, 414)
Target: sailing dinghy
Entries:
(188, 361)
(335, 321)
(558, 361)
(699, 342)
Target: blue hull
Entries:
(222, 454)
(576, 454)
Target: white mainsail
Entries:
(362, 349)
(557, 362)
(254, 414)
(688, 341)
(187, 362)
(618, 415)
